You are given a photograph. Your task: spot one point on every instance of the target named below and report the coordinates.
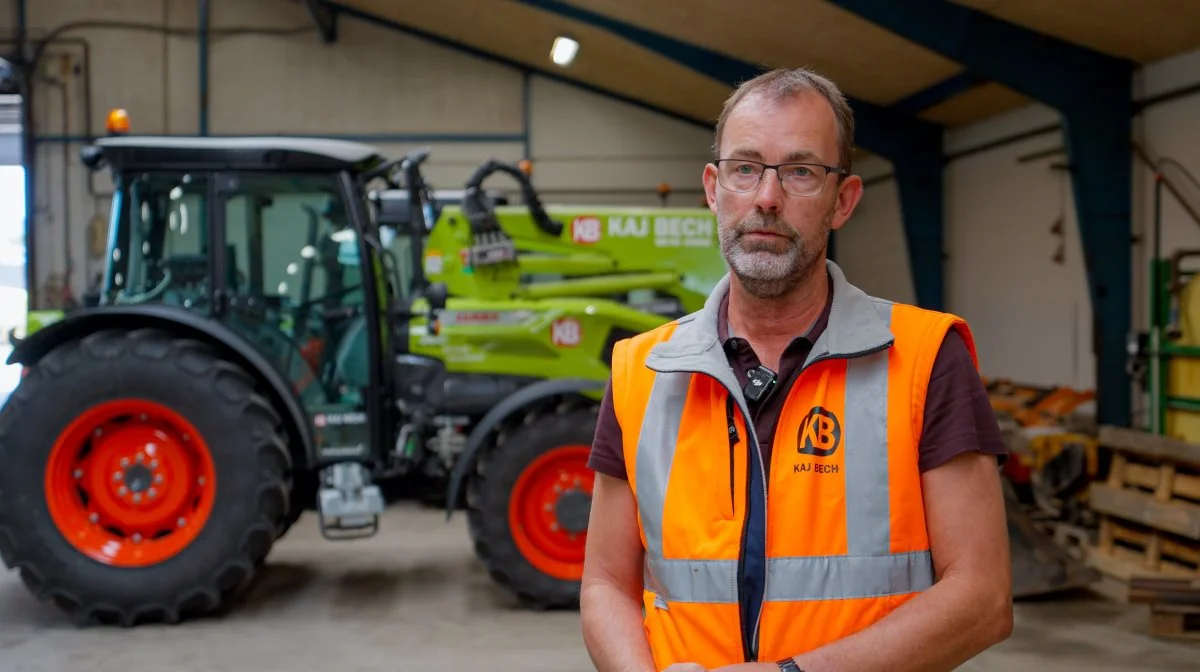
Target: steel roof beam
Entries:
(938, 93)
(324, 18)
(913, 146)
(1093, 93)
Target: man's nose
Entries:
(769, 195)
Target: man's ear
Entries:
(850, 192)
(710, 186)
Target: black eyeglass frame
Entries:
(829, 170)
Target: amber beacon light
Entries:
(118, 122)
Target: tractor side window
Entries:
(161, 251)
(295, 281)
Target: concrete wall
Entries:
(275, 76)
(1029, 306)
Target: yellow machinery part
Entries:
(1046, 447)
(1183, 373)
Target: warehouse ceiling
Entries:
(870, 63)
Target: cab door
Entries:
(292, 283)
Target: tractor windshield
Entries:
(285, 239)
(158, 241)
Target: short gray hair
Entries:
(785, 83)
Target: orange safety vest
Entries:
(837, 541)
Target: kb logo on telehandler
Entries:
(820, 433)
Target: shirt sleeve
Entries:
(607, 456)
(958, 414)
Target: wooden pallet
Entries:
(1149, 535)
(1127, 550)
(1176, 621)
(1153, 481)
(1179, 591)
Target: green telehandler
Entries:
(285, 323)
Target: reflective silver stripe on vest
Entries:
(865, 446)
(713, 581)
(847, 577)
(795, 579)
(656, 452)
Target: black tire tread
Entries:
(488, 521)
(273, 468)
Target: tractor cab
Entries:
(264, 235)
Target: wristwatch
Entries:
(789, 665)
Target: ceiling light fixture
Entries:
(564, 50)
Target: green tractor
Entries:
(268, 341)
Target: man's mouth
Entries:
(764, 233)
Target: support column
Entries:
(1093, 93)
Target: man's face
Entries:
(772, 239)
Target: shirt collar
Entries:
(725, 330)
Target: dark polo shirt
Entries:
(958, 416)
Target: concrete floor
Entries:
(413, 598)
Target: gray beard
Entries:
(764, 270)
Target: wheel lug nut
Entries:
(200, 481)
(142, 417)
(94, 518)
(137, 496)
(181, 522)
(117, 476)
(153, 464)
(124, 461)
(152, 493)
(98, 432)
(123, 491)
(137, 538)
(158, 478)
(549, 507)
(78, 473)
(140, 458)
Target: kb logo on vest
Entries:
(820, 433)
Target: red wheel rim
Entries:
(130, 483)
(546, 511)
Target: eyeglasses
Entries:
(798, 179)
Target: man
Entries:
(799, 476)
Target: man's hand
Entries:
(611, 591)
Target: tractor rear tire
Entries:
(144, 479)
(528, 505)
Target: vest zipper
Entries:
(748, 649)
(733, 440)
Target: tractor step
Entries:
(348, 505)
